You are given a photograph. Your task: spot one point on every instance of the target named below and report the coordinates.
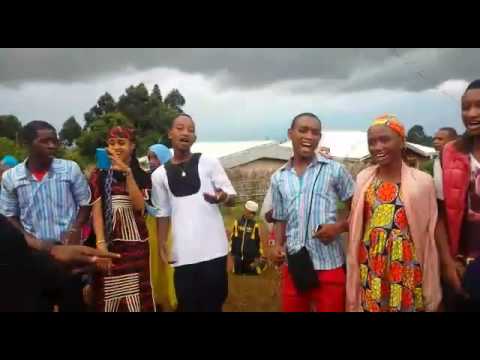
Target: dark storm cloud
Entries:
(328, 69)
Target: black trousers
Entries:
(202, 287)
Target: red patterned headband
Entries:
(122, 132)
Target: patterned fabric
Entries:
(390, 275)
(122, 133)
(128, 287)
(291, 196)
(45, 208)
(392, 122)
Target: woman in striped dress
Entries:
(118, 201)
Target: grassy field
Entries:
(254, 293)
(250, 293)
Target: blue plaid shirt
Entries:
(291, 196)
(49, 207)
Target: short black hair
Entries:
(474, 85)
(179, 115)
(452, 133)
(309, 114)
(29, 131)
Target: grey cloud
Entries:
(325, 69)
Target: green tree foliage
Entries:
(71, 131)
(417, 135)
(96, 134)
(175, 100)
(156, 94)
(10, 126)
(105, 104)
(8, 147)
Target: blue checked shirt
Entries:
(47, 208)
(291, 201)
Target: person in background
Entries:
(6, 163)
(443, 136)
(158, 154)
(47, 200)
(459, 246)
(392, 259)
(188, 190)
(246, 246)
(304, 201)
(162, 273)
(118, 200)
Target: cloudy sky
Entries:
(242, 94)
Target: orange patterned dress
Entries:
(390, 275)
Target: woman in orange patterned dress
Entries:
(389, 239)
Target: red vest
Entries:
(456, 179)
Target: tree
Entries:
(9, 147)
(134, 104)
(10, 127)
(105, 104)
(175, 100)
(71, 131)
(96, 134)
(156, 95)
(417, 135)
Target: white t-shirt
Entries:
(197, 226)
(438, 175)
(438, 178)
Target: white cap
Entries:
(251, 206)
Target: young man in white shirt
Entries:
(186, 191)
(440, 139)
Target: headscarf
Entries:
(162, 152)
(9, 161)
(392, 122)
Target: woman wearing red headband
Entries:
(392, 261)
(118, 196)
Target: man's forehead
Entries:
(308, 121)
(43, 133)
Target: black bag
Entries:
(300, 265)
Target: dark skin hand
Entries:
(329, 232)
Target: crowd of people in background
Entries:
(128, 239)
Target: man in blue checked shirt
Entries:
(47, 200)
(305, 193)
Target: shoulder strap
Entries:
(311, 201)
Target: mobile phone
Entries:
(103, 161)
(319, 227)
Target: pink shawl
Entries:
(421, 209)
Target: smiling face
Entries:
(471, 111)
(384, 144)
(182, 133)
(122, 147)
(305, 136)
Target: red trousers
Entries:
(328, 297)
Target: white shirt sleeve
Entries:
(438, 179)
(160, 196)
(267, 203)
(220, 178)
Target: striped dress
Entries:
(128, 287)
